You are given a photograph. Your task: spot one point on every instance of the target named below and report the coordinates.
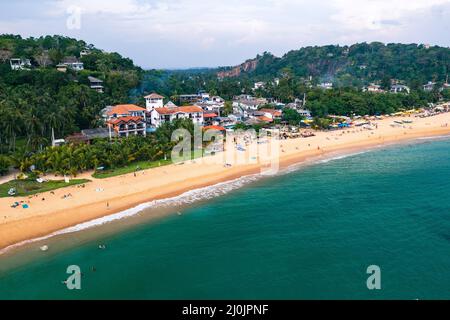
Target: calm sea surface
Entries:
(306, 234)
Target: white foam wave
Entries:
(434, 137)
(186, 198)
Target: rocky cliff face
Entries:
(247, 66)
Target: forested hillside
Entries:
(358, 64)
(35, 100)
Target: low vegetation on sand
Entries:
(28, 187)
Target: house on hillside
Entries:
(373, 88)
(429, 86)
(96, 84)
(84, 52)
(73, 63)
(61, 67)
(258, 85)
(326, 85)
(399, 88)
(19, 64)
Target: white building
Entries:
(245, 105)
(160, 115)
(373, 88)
(326, 85)
(126, 120)
(73, 63)
(153, 101)
(399, 88)
(216, 99)
(429, 86)
(85, 52)
(304, 112)
(19, 64)
(123, 110)
(204, 96)
(258, 85)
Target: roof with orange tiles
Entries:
(209, 115)
(124, 109)
(219, 128)
(154, 96)
(125, 120)
(265, 119)
(276, 113)
(185, 109)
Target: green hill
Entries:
(356, 65)
(39, 97)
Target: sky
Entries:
(211, 33)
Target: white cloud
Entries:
(373, 14)
(217, 32)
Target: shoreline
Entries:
(46, 221)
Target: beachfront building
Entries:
(153, 101)
(126, 119)
(126, 126)
(96, 84)
(158, 116)
(89, 135)
(123, 110)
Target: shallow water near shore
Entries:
(308, 233)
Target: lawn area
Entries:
(30, 187)
(138, 166)
(132, 167)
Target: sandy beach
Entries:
(102, 197)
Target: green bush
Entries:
(4, 165)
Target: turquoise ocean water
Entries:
(306, 234)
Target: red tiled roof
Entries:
(154, 96)
(265, 119)
(190, 109)
(275, 113)
(209, 115)
(124, 109)
(186, 109)
(125, 120)
(219, 128)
